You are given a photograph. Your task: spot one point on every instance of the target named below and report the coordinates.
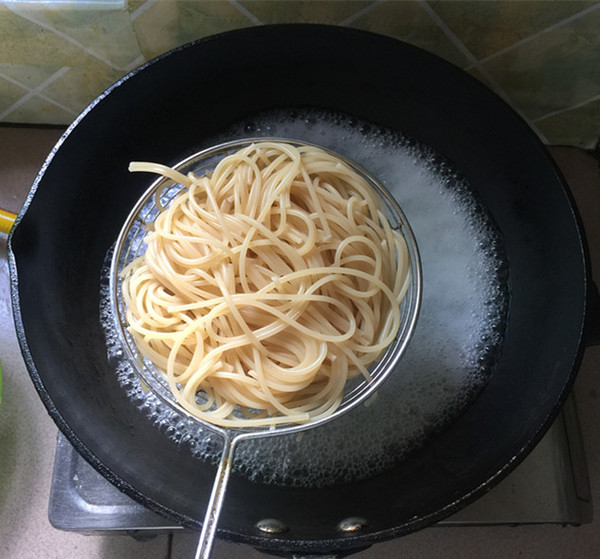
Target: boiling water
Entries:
(455, 343)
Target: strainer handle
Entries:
(215, 503)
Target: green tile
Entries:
(554, 70)
(167, 24)
(10, 93)
(578, 127)
(39, 111)
(409, 22)
(31, 54)
(105, 33)
(486, 27)
(26, 43)
(329, 12)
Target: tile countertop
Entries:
(27, 440)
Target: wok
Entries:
(175, 105)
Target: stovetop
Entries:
(550, 486)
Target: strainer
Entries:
(130, 244)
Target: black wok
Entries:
(171, 106)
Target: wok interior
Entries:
(169, 110)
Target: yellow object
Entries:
(6, 220)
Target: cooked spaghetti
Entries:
(266, 285)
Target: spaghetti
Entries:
(266, 285)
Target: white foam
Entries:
(457, 336)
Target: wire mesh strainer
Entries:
(130, 244)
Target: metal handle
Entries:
(215, 503)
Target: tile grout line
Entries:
(141, 59)
(142, 8)
(361, 12)
(57, 104)
(552, 27)
(566, 109)
(245, 12)
(475, 64)
(36, 91)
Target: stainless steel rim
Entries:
(130, 244)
